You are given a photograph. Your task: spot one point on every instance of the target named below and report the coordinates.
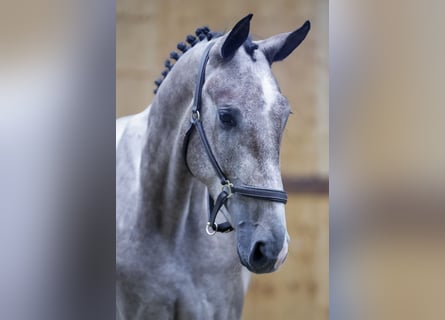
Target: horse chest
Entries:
(178, 286)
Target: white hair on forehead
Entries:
(269, 91)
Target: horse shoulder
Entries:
(120, 127)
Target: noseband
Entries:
(228, 189)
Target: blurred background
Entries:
(386, 160)
(146, 32)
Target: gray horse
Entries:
(168, 264)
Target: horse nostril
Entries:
(262, 257)
(258, 256)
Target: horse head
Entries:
(244, 113)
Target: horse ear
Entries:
(236, 37)
(278, 47)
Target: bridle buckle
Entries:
(196, 116)
(227, 187)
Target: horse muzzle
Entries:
(265, 254)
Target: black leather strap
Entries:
(208, 149)
(196, 107)
(261, 193)
(201, 78)
(185, 146)
(214, 209)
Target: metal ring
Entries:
(209, 225)
(196, 116)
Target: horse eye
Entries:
(226, 118)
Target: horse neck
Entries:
(167, 186)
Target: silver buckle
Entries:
(227, 187)
(196, 116)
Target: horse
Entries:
(199, 199)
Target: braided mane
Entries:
(201, 34)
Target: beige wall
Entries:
(147, 30)
(299, 290)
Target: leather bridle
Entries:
(228, 189)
